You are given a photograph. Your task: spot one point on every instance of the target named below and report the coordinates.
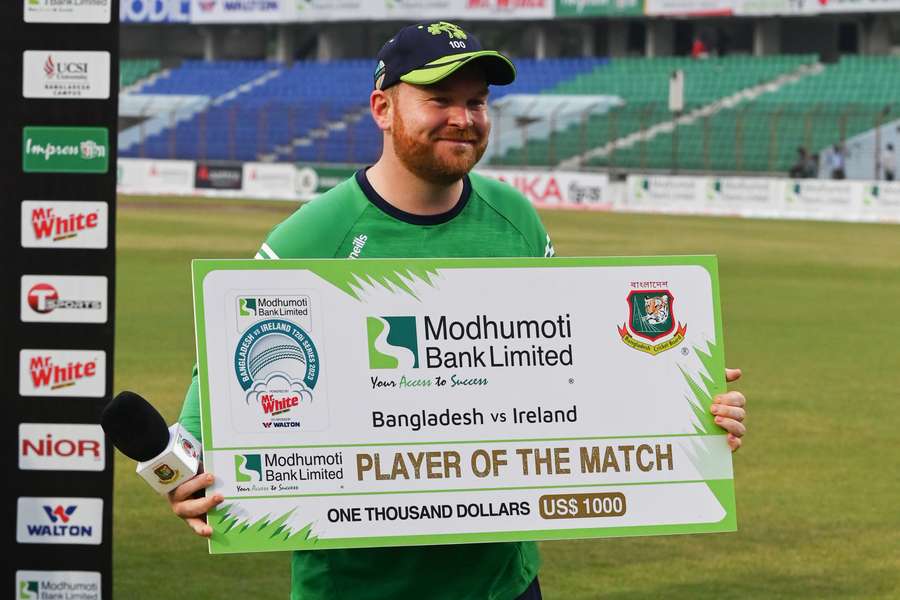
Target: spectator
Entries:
(836, 161)
(888, 163)
(699, 49)
(798, 169)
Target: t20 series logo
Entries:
(393, 343)
(277, 366)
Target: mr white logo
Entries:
(63, 299)
(56, 585)
(68, 11)
(59, 521)
(47, 224)
(61, 447)
(62, 373)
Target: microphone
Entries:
(166, 456)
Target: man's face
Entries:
(440, 131)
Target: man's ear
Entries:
(381, 104)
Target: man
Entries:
(418, 200)
(888, 162)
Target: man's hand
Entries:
(729, 411)
(187, 503)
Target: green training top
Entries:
(353, 221)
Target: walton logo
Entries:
(245, 465)
(58, 513)
(393, 343)
(651, 317)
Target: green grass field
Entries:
(810, 315)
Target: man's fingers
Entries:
(732, 412)
(732, 375)
(196, 507)
(191, 487)
(731, 399)
(731, 426)
(199, 526)
(734, 442)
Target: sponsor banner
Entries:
(155, 11)
(61, 447)
(59, 521)
(242, 11)
(63, 299)
(599, 8)
(65, 149)
(665, 194)
(65, 75)
(558, 189)
(744, 196)
(278, 180)
(210, 176)
(68, 11)
(147, 176)
(698, 8)
(823, 199)
(881, 201)
(62, 373)
(56, 585)
(343, 410)
(64, 224)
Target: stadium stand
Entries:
(815, 112)
(643, 85)
(318, 111)
(132, 71)
(310, 111)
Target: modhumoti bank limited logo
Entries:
(247, 468)
(67, 11)
(393, 342)
(52, 585)
(651, 317)
(277, 366)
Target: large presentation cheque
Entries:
(361, 403)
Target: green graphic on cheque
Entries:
(392, 343)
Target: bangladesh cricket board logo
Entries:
(651, 317)
(277, 365)
(393, 343)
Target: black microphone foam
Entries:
(135, 427)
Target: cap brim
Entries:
(498, 69)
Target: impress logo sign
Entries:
(62, 373)
(61, 447)
(68, 11)
(59, 521)
(48, 224)
(65, 149)
(65, 75)
(63, 299)
(53, 585)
